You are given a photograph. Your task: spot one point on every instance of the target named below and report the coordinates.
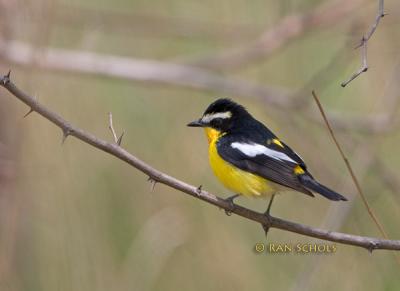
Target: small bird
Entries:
(249, 159)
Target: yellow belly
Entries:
(236, 180)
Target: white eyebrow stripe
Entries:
(253, 150)
(208, 117)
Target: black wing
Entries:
(280, 171)
(287, 151)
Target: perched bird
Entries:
(249, 159)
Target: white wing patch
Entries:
(253, 150)
(208, 117)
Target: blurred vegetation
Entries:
(74, 218)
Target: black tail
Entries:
(312, 185)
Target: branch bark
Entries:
(114, 149)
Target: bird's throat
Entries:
(212, 134)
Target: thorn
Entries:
(198, 190)
(66, 133)
(384, 14)
(266, 229)
(372, 246)
(231, 204)
(152, 183)
(120, 138)
(228, 212)
(6, 78)
(362, 42)
(29, 112)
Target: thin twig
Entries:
(364, 42)
(348, 165)
(368, 243)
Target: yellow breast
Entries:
(236, 180)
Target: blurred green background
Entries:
(75, 218)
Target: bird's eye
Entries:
(217, 122)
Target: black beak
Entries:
(196, 123)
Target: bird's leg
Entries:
(266, 213)
(231, 204)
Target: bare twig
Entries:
(364, 64)
(368, 243)
(364, 42)
(348, 165)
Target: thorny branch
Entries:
(368, 243)
(364, 42)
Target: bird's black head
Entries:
(222, 115)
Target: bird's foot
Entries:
(231, 204)
(267, 214)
